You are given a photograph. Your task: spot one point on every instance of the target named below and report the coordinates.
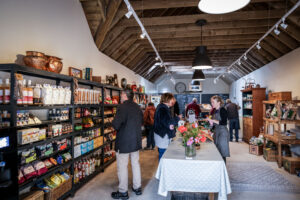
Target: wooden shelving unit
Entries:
(278, 138)
(252, 117)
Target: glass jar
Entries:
(190, 151)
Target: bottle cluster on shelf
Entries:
(109, 153)
(248, 105)
(87, 166)
(87, 112)
(5, 91)
(247, 97)
(87, 96)
(4, 119)
(87, 136)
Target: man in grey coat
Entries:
(128, 122)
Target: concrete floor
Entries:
(102, 185)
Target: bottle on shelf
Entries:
(20, 93)
(25, 93)
(1, 92)
(29, 93)
(6, 92)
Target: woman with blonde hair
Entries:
(164, 123)
(219, 120)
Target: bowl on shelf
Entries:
(54, 64)
(38, 62)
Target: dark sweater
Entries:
(224, 116)
(163, 120)
(232, 110)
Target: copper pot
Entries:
(37, 62)
(35, 53)
(54, 64)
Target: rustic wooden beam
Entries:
(190, 19)
(104, 27)
(292, 31)
(130, 51)
(257, 56)
(256, 63)
(273, 51)
(102, 6)
(248, 65)
(117, 52)
(275, 43)
(286, 39)
(266, 54)
(138, 61)
(147, 60)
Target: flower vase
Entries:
(190, 151)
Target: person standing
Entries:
(128, 122)
(219, 121)
(233, 117)
(193, 106)
(149, 122)
(164, 123)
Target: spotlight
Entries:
(276, 31)
(157, 58)
(215, 81)
(239, 62)
(258, 46)
(283, 25)
(161, 64)
(128, 14)
(143, 35)
(245, 57)
(223, 75)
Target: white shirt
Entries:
(160, 142)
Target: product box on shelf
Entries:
(84, 148)
(90, 145)
(255, 149)
(291, 163)
(26, 136)
(77, 151)
(270, 155)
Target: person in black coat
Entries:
(128, 122)
(164, 123)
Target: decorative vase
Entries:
(190, 151)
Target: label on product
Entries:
(7, 96)
(25, 97)
(1, 96)
(30, 97)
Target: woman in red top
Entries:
(149, 122)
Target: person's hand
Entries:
(171, 127)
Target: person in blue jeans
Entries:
(164, 123)
(233, 117)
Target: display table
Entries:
(206, 173)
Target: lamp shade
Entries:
(221, 6)
(198, 75)
(201, 60)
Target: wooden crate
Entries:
(291, 163)
(57, 192)
(34, 195)
(256, 150)
(281, 96)
(270, 155)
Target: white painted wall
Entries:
(282, 74)
(59, 28)
(208, 87)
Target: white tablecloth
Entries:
(205, 173)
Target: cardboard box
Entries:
(256, 150)
(270, 155)
(281, 96)
(291, 163)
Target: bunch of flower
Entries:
(192, 134)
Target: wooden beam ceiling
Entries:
(171, 26)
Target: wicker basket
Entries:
(57, 192)
(35, 195)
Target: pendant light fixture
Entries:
(221, 6)
(201, 60)
(198, 75)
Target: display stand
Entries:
(11, 131)
(278, 138)
(252, 112)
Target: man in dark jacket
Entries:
(233, 117)
(193, 106)
(128, 122)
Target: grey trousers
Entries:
(122, 167)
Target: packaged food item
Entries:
(55, 179)
(6, 92)
(50, 183)
(21, 177)
(47, 163)
(68, 95)
(37, 94)
(28, 156)
(47, 94)
(29, 93)
(28, 171)
(60, 159)
(25, 93)
(67, 157)
(40, 167)
(53, 161)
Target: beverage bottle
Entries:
(29, 93)
(25, 93)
